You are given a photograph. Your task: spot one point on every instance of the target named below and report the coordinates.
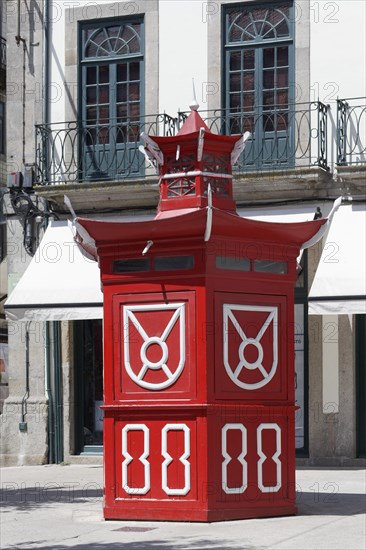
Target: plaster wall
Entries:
(24, 83)
(338, 54)
(183, 28)
(58, 90)
(23, 447)
(337, 58)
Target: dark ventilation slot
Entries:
(232, 263)
(170, 263)
(134, 265)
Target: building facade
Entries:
(3, 269)
(84, 81)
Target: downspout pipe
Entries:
(23, 423)
(45, 121)
(50, 420)
(46, 62)
(18, 37)
(58, 405)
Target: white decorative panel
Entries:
(263, 457)
(228, 458)
(137, 367)
(236, 370)
(128, 459)
(183, 459)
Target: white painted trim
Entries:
(263, 457)
(239, 148)
(228, 310)
(178, 315)
(324, 228)
(228, 458)
(208, 228)
(128, 459)
(183, 459)
(153, 148)
(201, 139)
(194, 173)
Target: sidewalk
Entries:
(61, 507)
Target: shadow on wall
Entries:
(156, 545)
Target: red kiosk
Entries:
(198, 342)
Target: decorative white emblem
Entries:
(235, 372)
(140, 370)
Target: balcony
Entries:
(280, 138)
(351, 143)
(76, 152)
(351, 131)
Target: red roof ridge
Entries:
(193, 124)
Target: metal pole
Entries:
(56, 342)
(17, 37)
(46, 83)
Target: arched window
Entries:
(259, 65)
(112, 40)
(111, 94)
(259, 24)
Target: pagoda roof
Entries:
(94, 233)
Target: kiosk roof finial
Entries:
(194, 105)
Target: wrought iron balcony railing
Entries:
(68, 152)
(351, 131)
(2, 53)
(80, 151)
(280, 137)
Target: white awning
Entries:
(339, 285)
(291, 213)
(60, 283)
